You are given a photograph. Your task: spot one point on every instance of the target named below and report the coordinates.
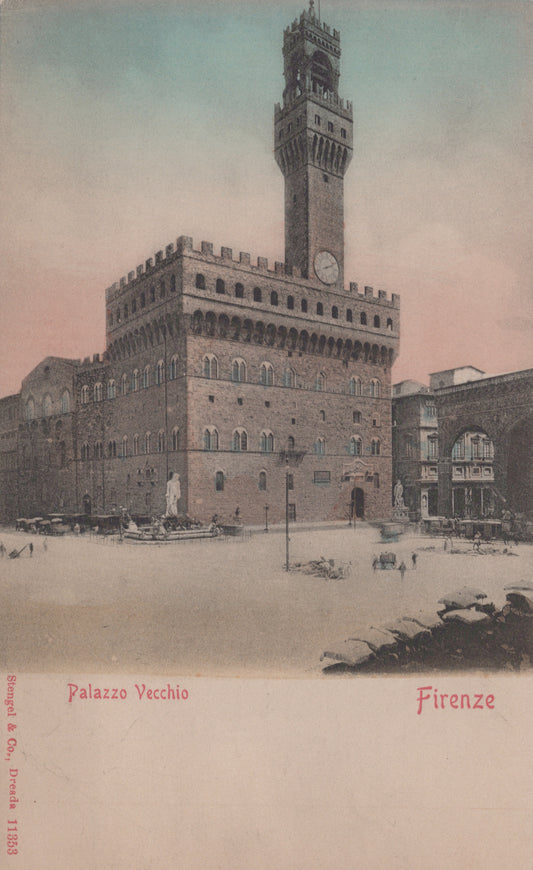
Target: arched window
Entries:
(267, 442)
(239, 291)
(377, 321)
(238, 371)
(354, 387)
(356, 446)
(335, 312)
(30, 408)
(98, 392)
(85, 451)
(257, 294)
(291, 443)
(65, 402)
(110, 318)
(159, 372)
(124, 452)
(220, 286)
(147, 436)
(142, 299)
(135, 445)
(152, 293)
(112, 449)
(376, 447)
(47, 405)
(146, 377)
(210, 439)
(319, 309)
(126, 312)
(320, 446)
(363, 318)
(200, 282)
(274, 299)
(161, 441)
(162, 288)
(172, 283)
(375, 388)
(262, 481)
(219, 481)
(239, 441)
(210, 366)
(323, 415)
(124, 384)
(290, 303)
(175, 438)
(118, 315)
(111, 389)
(135, 381)
(288, 378)
(84, 395)
(303, 305)
(357, 416)
(266, 374)
(98, 450)
(349, 315)
(173, 370)
(389, 322)
(320, 383)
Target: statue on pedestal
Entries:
(173, 494)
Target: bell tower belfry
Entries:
(313, 145)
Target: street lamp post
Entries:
(287, 565)
(266, 518)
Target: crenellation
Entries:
(382, 294)
(354, 287)
(149, 264)
(122, 282)
(262, 263)
(131, 277)
(226, 253)
(140, 270)
(369, 292)
(158, 257)
(169, 250)
(207, 248)
(244, 259)
(279, 268)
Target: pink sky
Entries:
(127, 125)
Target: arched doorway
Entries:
(520, 467)
(358, 503)
(87, 504)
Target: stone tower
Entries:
(313, 147)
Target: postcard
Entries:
(266, 511)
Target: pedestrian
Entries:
(402, 569)
(31, 549)
(2, 550)
(374, 563)
(414, 557)
(45, 545)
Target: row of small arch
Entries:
(47, 406)
(319, 150)
(291, 339)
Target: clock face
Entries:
(326, 267)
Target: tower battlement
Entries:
(184, 246)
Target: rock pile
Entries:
(467, 632)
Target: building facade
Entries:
(228, 372)
(463, 447)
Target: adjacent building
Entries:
(463, 446)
